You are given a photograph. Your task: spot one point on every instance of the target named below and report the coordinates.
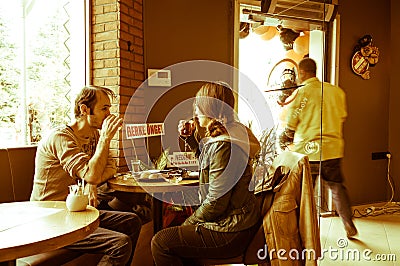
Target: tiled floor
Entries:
(378, 240)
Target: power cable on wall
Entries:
(389, 208)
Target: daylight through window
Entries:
(43, 63)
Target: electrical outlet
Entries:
(380, 155)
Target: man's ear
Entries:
(84, 110)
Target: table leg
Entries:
(157, 212)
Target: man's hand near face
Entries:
(98, 162)
(111, 125)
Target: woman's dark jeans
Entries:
(182, 245)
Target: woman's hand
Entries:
(186, 127)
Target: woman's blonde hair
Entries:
(216, 101)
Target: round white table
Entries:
(32, 227)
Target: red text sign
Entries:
(134, 131)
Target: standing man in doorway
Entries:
(80, 151)
(321, 138)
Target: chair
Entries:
(17, 169)
(257, 243)
(6, 179)
(22, 163)
(256, 252)
(289, 174)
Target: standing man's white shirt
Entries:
(312, 100)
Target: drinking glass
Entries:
(135, 163)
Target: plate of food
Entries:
(194, 174)
(191, 175)
(151, 176)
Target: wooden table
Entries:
(33, 227)
(156, 189)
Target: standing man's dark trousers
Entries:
(331, 173)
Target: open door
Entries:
(271, 40)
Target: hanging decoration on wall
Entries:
(283, 80)
(365, 54)
(291, 54)
(301, 44)
(295, 43)
(244, 30)
(287, 37)
(265, 32)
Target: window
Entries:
(43, 63)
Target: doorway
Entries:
(267, 54)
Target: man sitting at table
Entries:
(81, 151)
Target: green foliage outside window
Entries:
(8, 80)
(34, 74)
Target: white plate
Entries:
(152, 171)
(194, 174)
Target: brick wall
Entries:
(117, 61)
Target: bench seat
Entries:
(17, 168)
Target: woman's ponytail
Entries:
(215, 128)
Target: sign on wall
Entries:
(134, 131)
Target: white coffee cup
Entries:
(77, 203)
